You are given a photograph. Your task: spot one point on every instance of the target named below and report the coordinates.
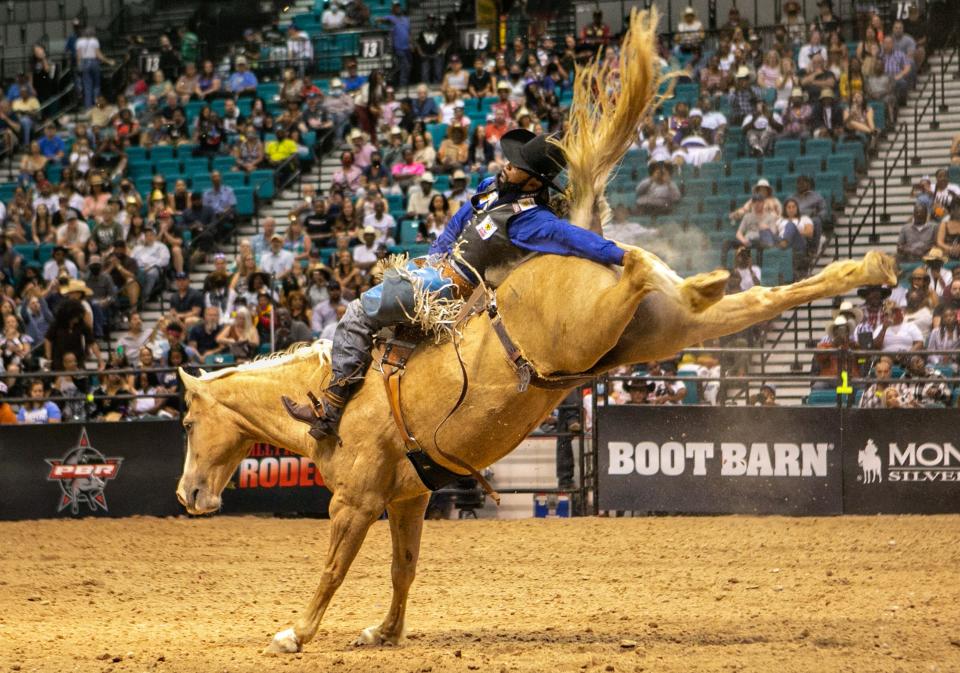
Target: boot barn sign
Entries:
(795, 461)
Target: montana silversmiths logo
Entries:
(83, 473)
(912, 462)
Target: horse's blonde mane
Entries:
(604, 117)
(298, 351)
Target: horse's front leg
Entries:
(351, 513)
(406, 526)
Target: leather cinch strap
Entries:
(393, 364)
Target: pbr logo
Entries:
(83, 473)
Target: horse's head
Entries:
(215, 447)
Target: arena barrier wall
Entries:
(124, 469)
(792, 461)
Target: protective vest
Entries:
(484, 247)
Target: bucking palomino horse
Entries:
(565, 314)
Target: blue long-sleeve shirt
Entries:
(538, 230)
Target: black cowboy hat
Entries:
(534, 154)
(884, 291)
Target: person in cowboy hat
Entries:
(940, 278)
(873, 297)
(506, 221)
(850, 313)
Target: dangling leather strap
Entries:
(393, 365)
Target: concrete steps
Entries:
(933, 151)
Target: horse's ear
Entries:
(189, 382)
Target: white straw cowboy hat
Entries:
(935, 255)
(847, 307)
(839, 321)
(76, 285)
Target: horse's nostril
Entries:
(194, 495)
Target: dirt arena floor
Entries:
(660, 595)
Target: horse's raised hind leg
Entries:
(350, 522)
(406, 526)
(739, 311)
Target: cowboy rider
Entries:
(502, 225)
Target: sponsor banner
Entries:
(901, 461)
(271, 479)
(737, 460)
(93, 469)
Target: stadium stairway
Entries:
(933, 150)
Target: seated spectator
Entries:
(714, 81)
(456, 78)
(32, 164)
(280, 149)
(852, 79)
(495, 129)
(745, 274)
(454, 151)
(339, 108)
(203, 336)
(923, 393)
(811, 205)
(712, 122)
(883, 393)
(160, 86)
(945, 193)
(39, 409)
(152, 258)
(382, 223)
(423, 150)
(940, 278)
(664, 391)
(186, 303)
(112, 399)
(657, 194)
(365, 254)
(325, 312)
(348, 175)
(52, 145)
(459, 192)
(418, 198)
(318, 223)
(239, 338)
(242, 82)
(871, 314)
(690, 34)
(878, 86)
(361, 148)
(27, 109)
(895, 335)
(948, 232)
(945, 337)
(135, 338)
(814, 47)
(794, 231)
(436, 221)
(858, 121)
(899, 67)
(797, 117)
(424, 106)
(745, 97)
(480, 83)
(832, 364)
(70, 390)
(828, 116)
(919, 310)
(917, 237)
(348, 275)
(761, 128)
(222, 200)
(771, 207)
(58, 265)
(276, 261)
(818, 78)
(249, 152)
(123, 271)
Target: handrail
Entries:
(952, 45)
(888, 170)
(919, 113)
(871, 213)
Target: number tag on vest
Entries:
(486, 228)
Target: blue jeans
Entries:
(26, 128)
(403, 64)
(431, 69)
(90, 72)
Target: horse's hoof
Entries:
(284, 642)
(373, 636)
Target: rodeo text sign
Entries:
(272, 479)
(901, 461)
(720, 461)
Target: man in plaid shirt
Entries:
(898, 66)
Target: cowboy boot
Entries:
(323, 417)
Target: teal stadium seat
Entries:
(262, 180)
(200, 183)
(161, 153)
(818, 147)
(808, 166)
(245, 202)
(855, 148)
(745, 168)
(720, 205)
(712, 170)
(224, 164)
(787, 147)
(733, 186)
(698, 188)
(235, 179)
